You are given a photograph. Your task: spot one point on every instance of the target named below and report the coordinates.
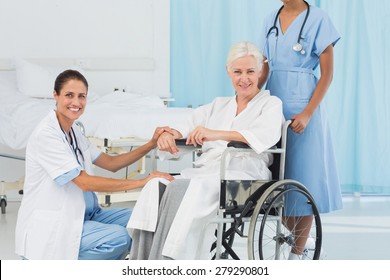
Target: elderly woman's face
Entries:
(244, 74)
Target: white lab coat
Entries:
(50, 218)
(260, 123)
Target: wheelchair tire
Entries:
(268, 238)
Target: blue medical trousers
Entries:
(104, 236)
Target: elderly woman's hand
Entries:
(201, 134)
(166, 142)
(157, 133)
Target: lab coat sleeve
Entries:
(266, 130)
(53, 153)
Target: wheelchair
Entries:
(267, 207)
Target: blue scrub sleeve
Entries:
(68, 176)
(262, 42)
(326, 35)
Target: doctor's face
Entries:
(244, 74)
(71, 100)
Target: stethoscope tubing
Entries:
(76, 148)
(297, 46)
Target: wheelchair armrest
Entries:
(238, 144)
(182, 142)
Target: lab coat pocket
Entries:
(41, 236)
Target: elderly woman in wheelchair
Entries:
(171, 220)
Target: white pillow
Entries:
(37, 81)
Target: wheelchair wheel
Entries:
(268, 236)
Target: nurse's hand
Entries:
(300, 121)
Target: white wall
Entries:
(92, 29)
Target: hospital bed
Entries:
(116, 122)
(256, 210)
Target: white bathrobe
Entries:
(260, 123)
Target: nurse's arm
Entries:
(87, 182)
(117, 162)
(326, 67)
(263, 75)
(302, 119)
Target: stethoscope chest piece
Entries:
(298, 48)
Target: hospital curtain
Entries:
(357, 102)
(202, 32)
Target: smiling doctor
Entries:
(59, 217)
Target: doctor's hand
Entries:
(158, 174)
(166, 142)
(300, 121)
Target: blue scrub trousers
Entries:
(104, 235)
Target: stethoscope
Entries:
(75, 147)
(297, 46)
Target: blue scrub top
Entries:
(310, 157)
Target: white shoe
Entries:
(310, 243)
(294, 257)
(308, 252)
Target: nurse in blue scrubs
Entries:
(296, 39)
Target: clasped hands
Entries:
(166, 138)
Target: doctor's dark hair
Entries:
(66, 76)
(242, 49)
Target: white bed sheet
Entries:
(119, 115)
(113, 116)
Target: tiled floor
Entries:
(358, 232)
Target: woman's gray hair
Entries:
(242, 49)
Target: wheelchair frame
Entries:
(264, 209)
